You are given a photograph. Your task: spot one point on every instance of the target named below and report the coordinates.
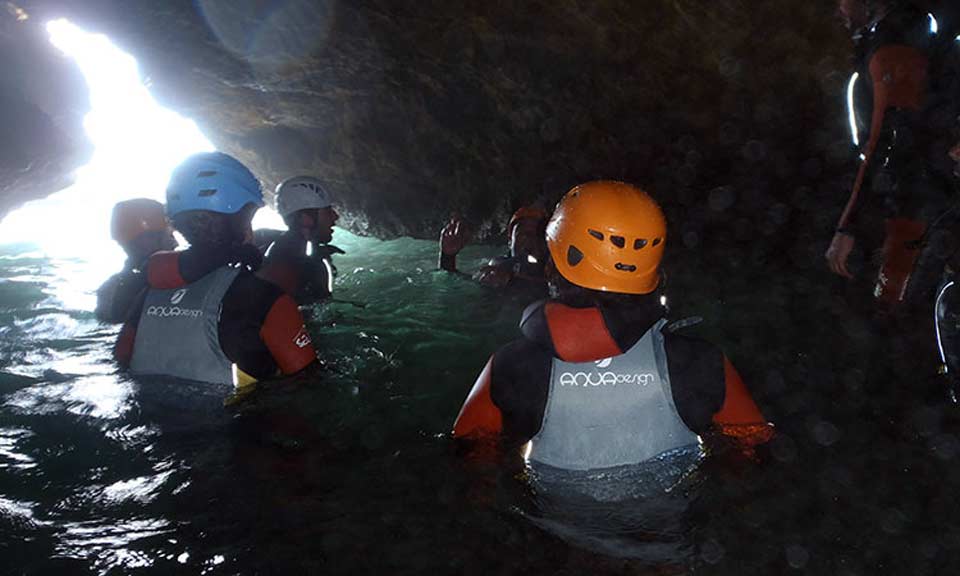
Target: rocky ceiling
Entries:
(413, 110)
(42, 102)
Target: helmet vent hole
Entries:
(657, 241)
(574, 256)
(618, 241)
(207, 192)
(625, 267)
(639, 243)
(595, 234)
(206, 173)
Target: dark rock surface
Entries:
(43, 98)
(413, 110)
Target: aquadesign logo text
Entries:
(173, 312)
(608, 378)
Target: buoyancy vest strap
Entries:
(479, 416)
(739, 416)
(579, 334)
(899, 76)
(284, 334)
(123, 349)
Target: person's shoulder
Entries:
(253, 294)
(114, 295)
(518, 349)
(906, 25)
(264, 237)
(693, 360)
(697, 378)
(285, 248)
(256, 287)
(521, 361)
(688, 345)
(520, 375)
(113, 280)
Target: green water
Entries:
(352, 471)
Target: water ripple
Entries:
(107, 542)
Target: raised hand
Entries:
(453, 237)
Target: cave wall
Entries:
(43, 99)
(415, 110)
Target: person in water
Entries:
(904, 104)
(140, 227)
(527, 250)
(206, 315)
(598, 380)
(299, 260)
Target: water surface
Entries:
(352, 471)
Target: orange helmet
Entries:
(608, 236)
(134, 217)
(524, 213)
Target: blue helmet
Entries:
(212, 181)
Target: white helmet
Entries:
(301, 193)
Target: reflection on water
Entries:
(110, 544)
(18, 513)
(633, 511)
(10, 456)
(352, 471)
(107, 473)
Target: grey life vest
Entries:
(612, 412)
(178, 331)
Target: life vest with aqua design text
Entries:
(178, 331)
(611, 412)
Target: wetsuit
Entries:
(301, 268)
(257, 326)
(519, 271)
(519, 267)
(120, 293)
(904, 105)
(573, 349)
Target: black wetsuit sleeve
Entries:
(245, 307)
(696, 378)
(118, 295)
(519, 383)
(448, 262)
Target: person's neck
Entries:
(299, 235)
(135, 259)
(629, 320)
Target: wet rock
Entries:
(712, 552)
(43, 99)
(413, 110)
(797, 556)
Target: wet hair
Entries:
(565, 292)
(205, 228)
